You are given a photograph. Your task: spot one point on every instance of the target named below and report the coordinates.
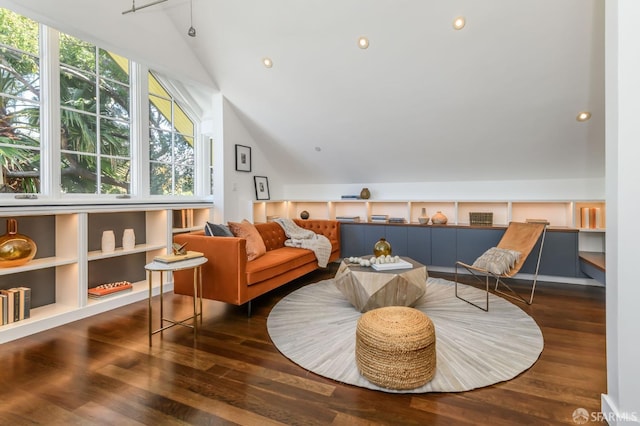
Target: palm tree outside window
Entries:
(19, 104)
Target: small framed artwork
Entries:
(262, 187)
(243, 158)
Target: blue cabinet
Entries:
(372, 233)
(419, 244)
(351, 239)
(472, 242)
(444, 245)
(397, 237)
(559, 255)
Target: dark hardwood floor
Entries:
(101, 371)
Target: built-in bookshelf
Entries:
(69, 260)
(561, 214)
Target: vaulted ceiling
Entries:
(424, 102)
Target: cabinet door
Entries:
(397, 237)
(472, 242)
(372, 233)
(351, 239)
(559, 255)
(419, 244)
(443, 246)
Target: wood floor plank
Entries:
(100, 370)
(152, 381)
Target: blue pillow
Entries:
(213, 230)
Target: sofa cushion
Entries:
(276, 262)
(246, 230)
(272, 234)
(213, 230)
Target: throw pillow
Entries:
(213, 230)
(497, 260)
(246, 230)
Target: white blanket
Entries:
(306, 239)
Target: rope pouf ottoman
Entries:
(396, 347)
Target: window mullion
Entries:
(139, 111)
(98, 122)
(50, 113)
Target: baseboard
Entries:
(541, 278)
(613, 416)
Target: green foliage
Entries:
(18, 31)
(94, 119)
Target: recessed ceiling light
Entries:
(267, 62)
(459, 23)
(583, 116)
(318, 149)
(363, 42)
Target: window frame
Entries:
(50, 125)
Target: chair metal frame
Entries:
(479, 273)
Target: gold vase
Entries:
(15, 249)
(365, 194)
(381, 248)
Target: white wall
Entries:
(623, 203)
(531, 190)
(239, 187)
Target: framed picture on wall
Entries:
(243, 158)
(262, 187)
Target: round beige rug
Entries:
(315, 327)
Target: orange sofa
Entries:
(229, 277)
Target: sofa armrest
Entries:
(224, 275)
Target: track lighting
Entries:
(192, 31)
(134, 8)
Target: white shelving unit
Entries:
(559, 213)
(71, 262)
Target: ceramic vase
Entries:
(128, 239)
(439, 218)
(381, 248)
(365, 194)
(424, 219)
(15, 249)
(304, 214)
(108, 242)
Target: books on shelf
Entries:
(543, 221)
(348, 218)
(172, 258)
(107, 289)
(379, 218)
(400, 264)
(350, 197)
(397, 220)
(15, 304)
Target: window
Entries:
(171, 143)
(95, 120)
(95, 151)
(19, 104)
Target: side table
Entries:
(196, 265)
